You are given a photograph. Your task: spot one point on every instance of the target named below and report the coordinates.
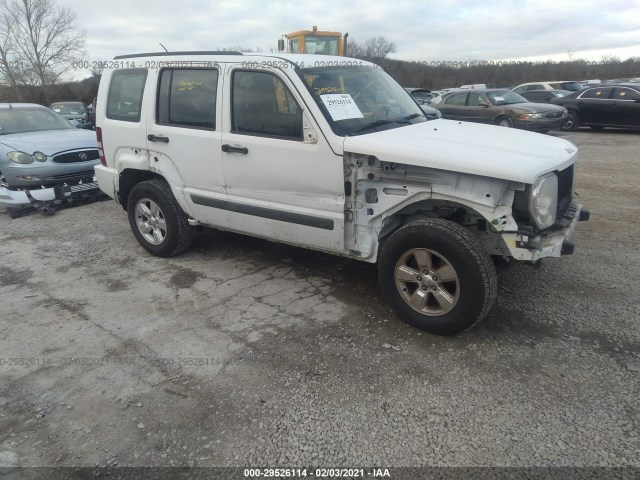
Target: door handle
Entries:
(229, 149)
(158, 138)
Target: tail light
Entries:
(103, 160)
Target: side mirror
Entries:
(281, 45)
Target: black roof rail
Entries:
(167, 54)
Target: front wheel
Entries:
(505, 122)
(572, 123)
(437, 275)
(156, 219)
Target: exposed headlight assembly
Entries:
(20, 157)
(543, 202)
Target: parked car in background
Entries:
(501, 107)
(92, 113)
(75, 112)
(40, 152)
(421, 95)
(544, 96)
(603, 106)
(571, 85)
(430, 112)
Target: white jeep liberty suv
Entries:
(330, 153)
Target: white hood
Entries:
(473, 148)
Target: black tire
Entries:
(177, 235)
(453, 246)
(572, 123)
(505, 121)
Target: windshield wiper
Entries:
(379, 123)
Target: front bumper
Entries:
(45, 199)
(552, 243)
(540, 124)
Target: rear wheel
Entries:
(156, 219)
(572, 123)
(437, 275)
(505, 122)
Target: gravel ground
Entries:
(244, 352)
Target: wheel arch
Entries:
(456, 212)
(129, 178)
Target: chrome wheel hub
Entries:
(150, 221)
(427, 282)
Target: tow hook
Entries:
(567, 248)
(584, 215)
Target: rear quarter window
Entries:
(126, 89)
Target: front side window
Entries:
(187, 98)
(124, 101)
(477, 100)
(263, 105)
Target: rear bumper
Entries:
(107, 179)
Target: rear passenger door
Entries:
(183, 138)
(626, 107)
(283, 180)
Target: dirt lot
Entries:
(244, 352)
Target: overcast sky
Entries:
(451, 30)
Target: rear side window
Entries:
(626, 94)
(597, 93)
(187, 98)
(456, 99)
(124, 101)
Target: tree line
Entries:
(40, 41)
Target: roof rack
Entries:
(167, 54)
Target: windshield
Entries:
(505, 97)
(70, 108)
(22, 120)
(357, 100)
(321, 45)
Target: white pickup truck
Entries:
(330, 153)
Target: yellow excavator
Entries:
(314, 42)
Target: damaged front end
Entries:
(46, 200)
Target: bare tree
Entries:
(355, 50)
(377, 48)
(39, 43)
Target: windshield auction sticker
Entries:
(341, 106)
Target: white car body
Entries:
(553, 85)
(478, 168)
(330, 153)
